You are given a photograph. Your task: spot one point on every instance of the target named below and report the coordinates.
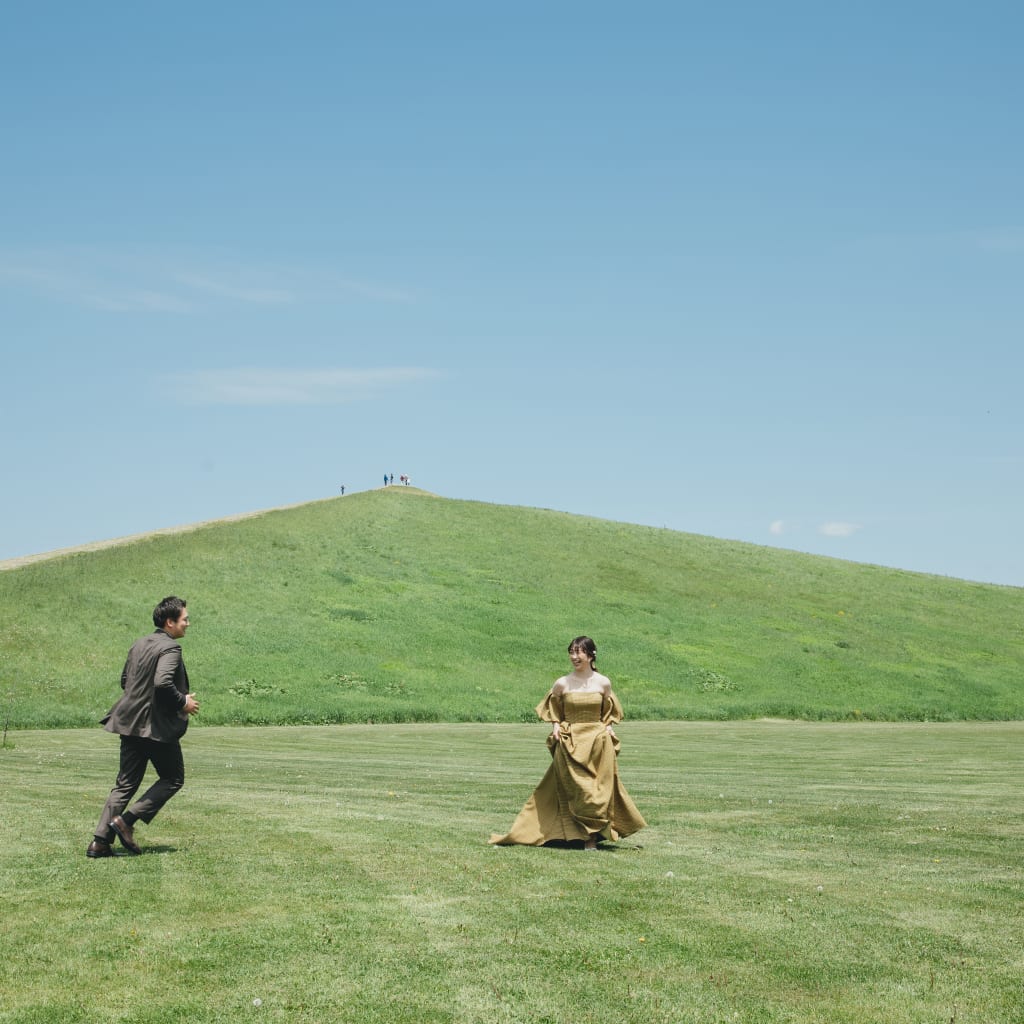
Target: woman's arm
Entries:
(612, 707)
(557, 694)
(550, 708)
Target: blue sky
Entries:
(748, 270)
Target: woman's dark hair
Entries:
(168, 610)
(587, 646)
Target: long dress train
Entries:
(581, 794)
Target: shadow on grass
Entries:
(577, 846)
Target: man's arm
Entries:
(168, 667)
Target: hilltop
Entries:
(398, 605)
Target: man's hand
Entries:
(191, 704)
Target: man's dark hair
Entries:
(168, 610)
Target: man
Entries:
(151, 717)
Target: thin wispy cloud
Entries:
(1007, 240)
(129, 282)
(82, 276)
(838, 529)
(134, 301)
(1009, 461)
(370, 290)
(999, 241)
(69, 279)
(263, 386)
(777, 528)
(236, 291)
(24, 272)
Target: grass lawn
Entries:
(791, 872)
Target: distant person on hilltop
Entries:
(342, 488)
(385, 479)
(580, 799)
(150, 717)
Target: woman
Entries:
(580, 797)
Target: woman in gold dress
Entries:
(580, 797)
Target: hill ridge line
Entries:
(98, 545)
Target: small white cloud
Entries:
(838, 529)
(777, 528)
(293, 387)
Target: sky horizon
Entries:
(748, 273)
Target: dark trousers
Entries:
(136, 754)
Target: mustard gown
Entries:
(580, 793)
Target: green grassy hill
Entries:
(396, 605)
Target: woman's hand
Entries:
(556, 731)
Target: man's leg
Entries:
(167, 759)
(134, 758)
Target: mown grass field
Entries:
(791, 872)
(395, 605)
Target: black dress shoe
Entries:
(97, 848)
(125, 833)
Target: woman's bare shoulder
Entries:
(559, 685)
(603, 682)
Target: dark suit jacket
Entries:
(155, 684)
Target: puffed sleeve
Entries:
(551, 708)
(611, 709)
